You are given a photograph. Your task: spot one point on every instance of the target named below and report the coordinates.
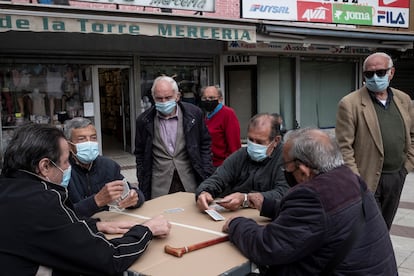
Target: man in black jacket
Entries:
(96, 181)
(252, 172)
(43, 235)
(312, 224)
(172, 143)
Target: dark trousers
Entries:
(388, 194)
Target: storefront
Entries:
(61, 63)
(309, 54)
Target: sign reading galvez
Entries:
(193, 5)
(387, 13)
(124, 25)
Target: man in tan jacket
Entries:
(375, 130)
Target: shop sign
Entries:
(192, 5)
(386, 13)
(103, 25)
(239, 60)
(296, 48)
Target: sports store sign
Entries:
(386, 13)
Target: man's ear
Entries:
(307, 173)
(278, 138)
(44, 167)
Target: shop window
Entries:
(190, 77)
(42, 93)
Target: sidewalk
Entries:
(402, 231)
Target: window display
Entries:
(43, 92)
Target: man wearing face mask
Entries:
(328, 223)
(96, 181)
(251, 173)
(222, 124)
(43, 235)
(375, 130)
(172, 143)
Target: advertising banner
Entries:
(386, 13)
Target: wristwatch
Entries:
(245, 202)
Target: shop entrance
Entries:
(115, 111)
(241, 94)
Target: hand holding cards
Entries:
(114, 205)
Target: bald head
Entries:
(265, 121)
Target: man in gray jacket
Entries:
(251, 173)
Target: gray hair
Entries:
(220, 93)
(381, 54)
(260, 119)
(75, 123)
(168, 79)
(314, 148)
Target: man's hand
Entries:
(203, 200)
(114, 227)
(225, 228)
(110, 192)
(130, 200)
(159, 226)
(255, 200)
(232, 201)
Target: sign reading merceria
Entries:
(192, 5)
(53, 24)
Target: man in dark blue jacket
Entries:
(96, 181)
(315, 221)
(172, 143)
(43, 235)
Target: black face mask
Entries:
(209, 106)
(290, 178)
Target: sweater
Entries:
(224, 129)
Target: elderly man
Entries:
(328, 223)
(172, 143)
(222, 124)
(249, 174)
(43, 235)
(96, 181)
(375, 130)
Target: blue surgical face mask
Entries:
(166, 108)
(377, 84)
(65, 175)
(257, 152)
(86, 152)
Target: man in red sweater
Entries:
(222, 124)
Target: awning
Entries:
(36, 18)
(336, 36)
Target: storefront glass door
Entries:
(114, 106)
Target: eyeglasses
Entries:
(380, 73)
(209, 98)
(287, 162)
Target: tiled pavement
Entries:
(402, 231)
